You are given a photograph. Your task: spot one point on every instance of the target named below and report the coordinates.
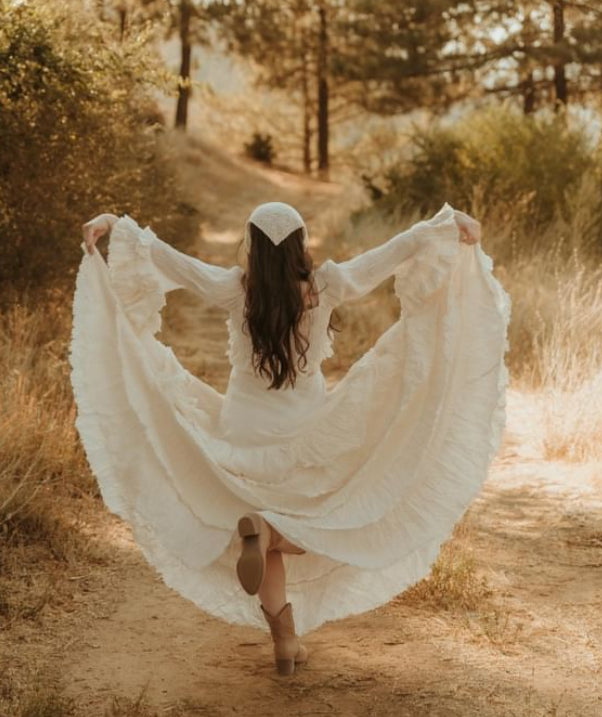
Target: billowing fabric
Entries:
(368, 476)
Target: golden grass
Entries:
(31, 692)
(127, 707)
(455, 583)
(41, 460)
(46, 702)
(43, 476)
(38, 442)
(556, 344)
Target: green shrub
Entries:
(78, 134)
(495, 162)
(261, 148)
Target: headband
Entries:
(276, 220)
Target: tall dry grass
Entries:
(46, 493)
(42, 466)
(555, 333)
(39, 448)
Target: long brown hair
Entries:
(274, 305)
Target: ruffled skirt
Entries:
(369, 480)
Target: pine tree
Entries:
(399, 56)
(187, 18)
(289, 40)
(545, 50)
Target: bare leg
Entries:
(272, 592)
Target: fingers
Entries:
(92, 231)
(470, 236)
(470, 228)
(90, 238)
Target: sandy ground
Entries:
(533, 647)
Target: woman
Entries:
(349, 491)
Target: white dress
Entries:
(369, 476)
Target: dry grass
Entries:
(454, 584)
(33, 693)
(140, 706)
(39, 448)
(126, 707)
(41, 462)
(556, 341)
(46, 703)
(44, 481)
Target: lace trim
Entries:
(425, 272)
(137, 283)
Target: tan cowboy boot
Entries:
(287, 649)
(258, 537)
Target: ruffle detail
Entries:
(424, 273)
(140, 287)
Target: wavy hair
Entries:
(274, 305)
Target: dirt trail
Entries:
(533, 647)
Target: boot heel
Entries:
(251, 565)
(249, 524)
(285, 667)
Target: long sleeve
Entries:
(143, 268)
(356, 277)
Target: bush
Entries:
(261, 148)
(77, 134)
(496, 162)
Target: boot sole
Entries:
(250, 567)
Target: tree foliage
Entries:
(547, 51)
(396, 57)
(496, 159)
(78, 131)
(286, 40)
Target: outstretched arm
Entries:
(215, 284)
(356, 277)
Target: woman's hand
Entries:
(97, 227)
(470, 229)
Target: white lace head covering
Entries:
(276, 220)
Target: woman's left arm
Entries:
(355, 277)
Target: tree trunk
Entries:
(560, 84)
(123, 21)
(323, 158)
(100, 9)
(184, 77)
(306, 109)
(528, 94)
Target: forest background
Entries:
(371, 114)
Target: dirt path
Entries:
(532, 647)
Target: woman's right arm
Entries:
(215, 284)
(358, 276)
